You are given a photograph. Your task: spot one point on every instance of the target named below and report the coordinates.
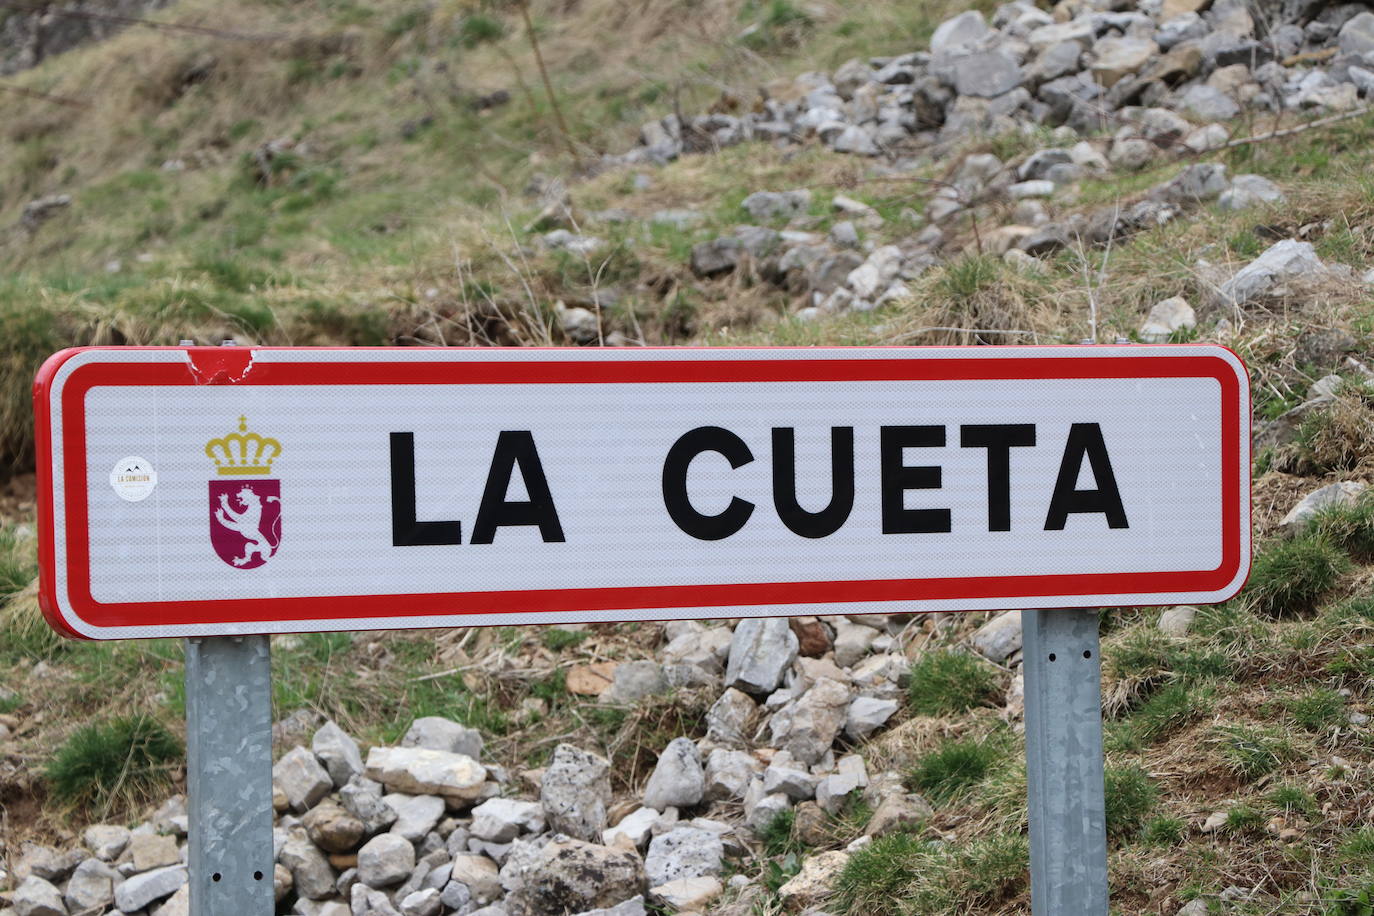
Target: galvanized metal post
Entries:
(229, 775)
(1064, 770)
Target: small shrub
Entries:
(122, 762)
(946, 682)
(1290, 576)
(1164, 831)
(955, 767)
(1250, 752)
(1130, 796)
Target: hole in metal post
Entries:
(1052, 656)
(1087, 653)
(257, 876)
(216, 876)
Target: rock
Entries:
(813, 636)
(683, 852)
(728, 774)
(764, 206)
(421, 903)
(716, 257)
(856, 141)
(150, 850)
(1117, 58)
(572, 877)
(866, 715)
(500, 820)
(436, 733)
(1196, 907)
(963, 30)
(385, 859)
(632, 907)
(761, 650)
(1345, 493)
(728, 719)
(141, 890)
(678, 780)
(999, 637)
(479, 875)
(576, 792)
(1165, 318)
(1206, 103)
(338, 752)
(302, 778)
(852, 643)
(367, 901)
(986, 74)
(36, 897)
(332, 828)
(91, 886)
(106, 841)
(807, 727)
(637, 826)
(1208, 137)
(37, 212)
(362, 798)
(833, 791)
(897, 812)
(1248, 191)
(636, 680)
(179, 904)
(1281, 261)
(813, 884)
(421, 771)
(1357, 35)
(416, 815)
(1177, 620)
(311, 875)
(1195, 183)
(688, 894)
(788, 777)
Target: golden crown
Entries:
(243, 453)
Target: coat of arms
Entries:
(245, 503)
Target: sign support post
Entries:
(229, 774)
(1064, 767)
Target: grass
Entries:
(956, 767)
(1168, 710)
(1164, 831)
(1319, 710)
(779, 836)
(114, 765)
(1131, 797)
(1251, 752)
(902, 875)
(946, 682)
(1290, 577)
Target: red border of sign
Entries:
(224, 365)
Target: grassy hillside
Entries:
(351, 173)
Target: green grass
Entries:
(1290, 577)
(1169, 709)
(1243, 819)
(119, 763)
(1320, 710)
(1164, 831)
(955, 767)
(946, 682)
(1351, 528)
(902, 875)
(779, 836)
(1131, 797)
(18, 564)
(557, 640)
(1250, 752)
(1291, 799)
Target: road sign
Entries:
(218, 491)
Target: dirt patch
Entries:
(19, 499)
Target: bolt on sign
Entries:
(218, 491)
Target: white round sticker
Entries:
(133, 479)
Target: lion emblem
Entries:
(257, 524)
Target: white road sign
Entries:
(278, 490)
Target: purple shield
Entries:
(245, 521)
